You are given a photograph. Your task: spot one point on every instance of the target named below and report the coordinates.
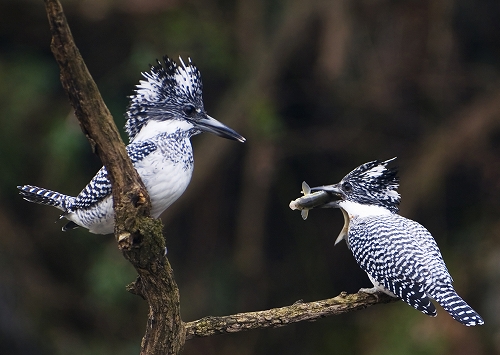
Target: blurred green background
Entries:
(317, 88)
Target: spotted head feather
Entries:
(373, 183)
(167, 91)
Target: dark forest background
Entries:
(317, 88)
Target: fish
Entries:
(309, 200)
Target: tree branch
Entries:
(129, 194)
(139, 237)
(280, 317)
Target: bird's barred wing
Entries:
(100, 187)
(96, 190)
(390, 255)
(424, 240)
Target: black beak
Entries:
(210, 124)
(333, 193)
(331, 189)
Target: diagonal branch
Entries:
(139, 237)
(96, 120)
(280, 317)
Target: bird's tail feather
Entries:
(45, 197)
(458, 308)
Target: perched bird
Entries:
(164, 113)
(399, 255)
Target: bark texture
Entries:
(139, 237)
(280, 317)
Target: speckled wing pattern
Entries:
(384, 249)
(402, 256)
(100, 186)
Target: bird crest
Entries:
(373, 183)
(167, 88)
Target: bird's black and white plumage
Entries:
(165, 112)
(399, 255)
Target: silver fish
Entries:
(309, 200)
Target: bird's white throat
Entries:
(153, 128)
(355, 209)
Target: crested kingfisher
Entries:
(165, 111)
(399, 255)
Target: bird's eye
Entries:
(189, 110)
(347, 186)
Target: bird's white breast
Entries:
(165, 178)
(166, 173)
